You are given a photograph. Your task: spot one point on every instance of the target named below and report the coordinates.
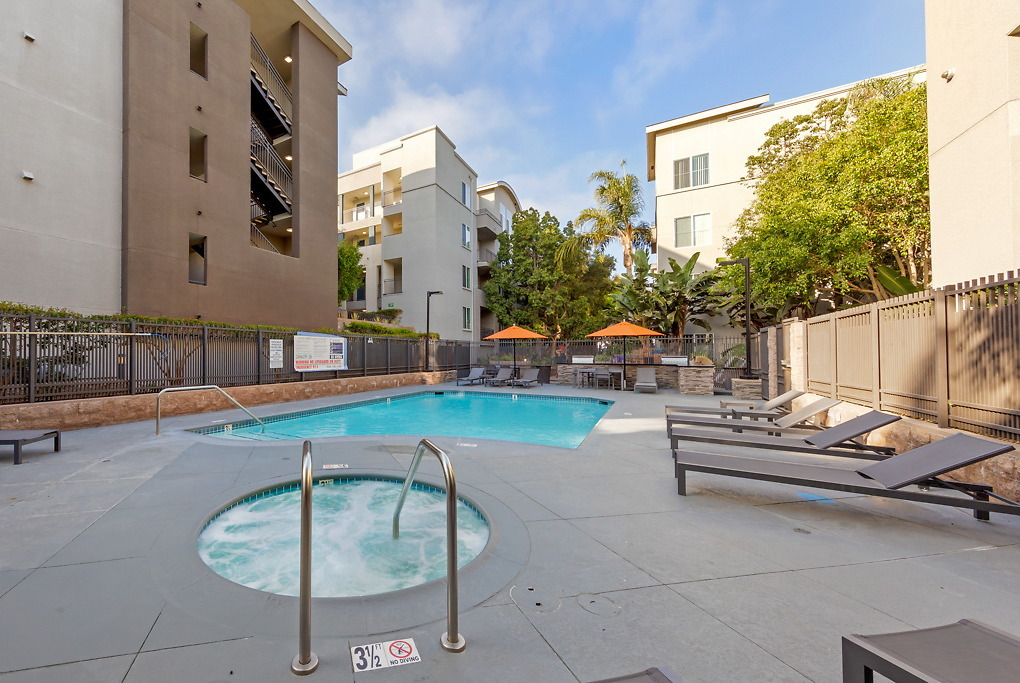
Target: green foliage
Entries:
(666, 301)
(531, 285)
(617, 216)
(11, 308)
(839, 195)
(350, 276)
(376, 330)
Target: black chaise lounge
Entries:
(956, 653)
(725, 409)
(474, 377)
(653, 675)
(921, 466)
(797, 419)
(21, 437)
(829, 441)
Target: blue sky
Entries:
(541, 93)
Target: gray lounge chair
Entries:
(921, 466)
(965, 651)
(502, 377)
(21, 437)
(841, 436)
(653, 675)
(645, 381)
(528, 378)
(726, 407)
(797, 419)
(474, 377)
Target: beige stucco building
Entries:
(973, 53)
(424, 224)
(170, 158)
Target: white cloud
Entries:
(434, 33)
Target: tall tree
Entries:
(616, 217)
(560, 298)
(666, 301)
(349, 274)
(841, 202)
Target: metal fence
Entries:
(949, 356)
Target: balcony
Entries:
(486, 257)
(271, 180)
(392, 197)
(361, 213)
(271, 102)
(490, 226)
(393, 286)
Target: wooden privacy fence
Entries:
(949, 356)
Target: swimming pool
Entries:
(545, 420)
(253, 541)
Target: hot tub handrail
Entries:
(305, 662)
(451, 641)
(159, 400)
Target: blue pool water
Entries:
(546, 420)
(255, 542)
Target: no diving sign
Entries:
(383, 655)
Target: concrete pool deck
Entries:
(738, 581)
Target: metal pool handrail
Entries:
(159, 399)
(451, 641)
(305, 662)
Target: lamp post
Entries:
(747, 311)
(428, 312)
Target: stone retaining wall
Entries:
(111, 410)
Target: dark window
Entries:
(199, 40)
(196, 259)
(196, 153)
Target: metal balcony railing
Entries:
(486, 256)
(391, 197)
(271, 79)
(258, 239)
(359, 213)
(265, 156)
(394, 286)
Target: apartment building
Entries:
(973, 53)
(698, 163)
(170, 158)
(424, 225)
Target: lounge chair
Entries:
(645, 381)
(653, 675)
(841, 436)
(887, 478)
(474, 377)
(726, 407)
(779, 425)
(528, 378)
(965, 651)
(21, 437)
(502, 377)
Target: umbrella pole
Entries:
(515, 357)
(623, 378)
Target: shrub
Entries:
(376, 330)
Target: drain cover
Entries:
(532, 599)
(596, 604)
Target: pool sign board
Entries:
(383, 655)
(315, 352)
(275, 354)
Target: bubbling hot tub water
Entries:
(255, 542)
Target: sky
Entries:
(542, 93)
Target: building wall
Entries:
(60, 104)
(973, 138)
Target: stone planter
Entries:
(696, 379)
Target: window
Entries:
(199, 38)
(196, 259)
(465, 236)
(465, 277)
(196, 153)
(467, 318)
(690, 172)
(694, 231)
(465, 194)
(506, 217)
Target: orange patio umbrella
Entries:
(625, 329)
(515, 332)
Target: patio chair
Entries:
(21, 437)
(831, 441)
(645, 381)
(965, 651)
(726, 407)
(653, 675)
(887, 478)
(528, 378)
(474, 377)
(602, 374)
(798, 419)
(501, 378)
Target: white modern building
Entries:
(424, 225)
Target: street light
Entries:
(428, 312)
(747, 311)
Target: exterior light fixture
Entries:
(288, 157)
(27, 175)
(948, 74)
(290, 229)
(428, 310)
(29, 37)
(288, 59)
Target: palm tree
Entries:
(617, 217)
